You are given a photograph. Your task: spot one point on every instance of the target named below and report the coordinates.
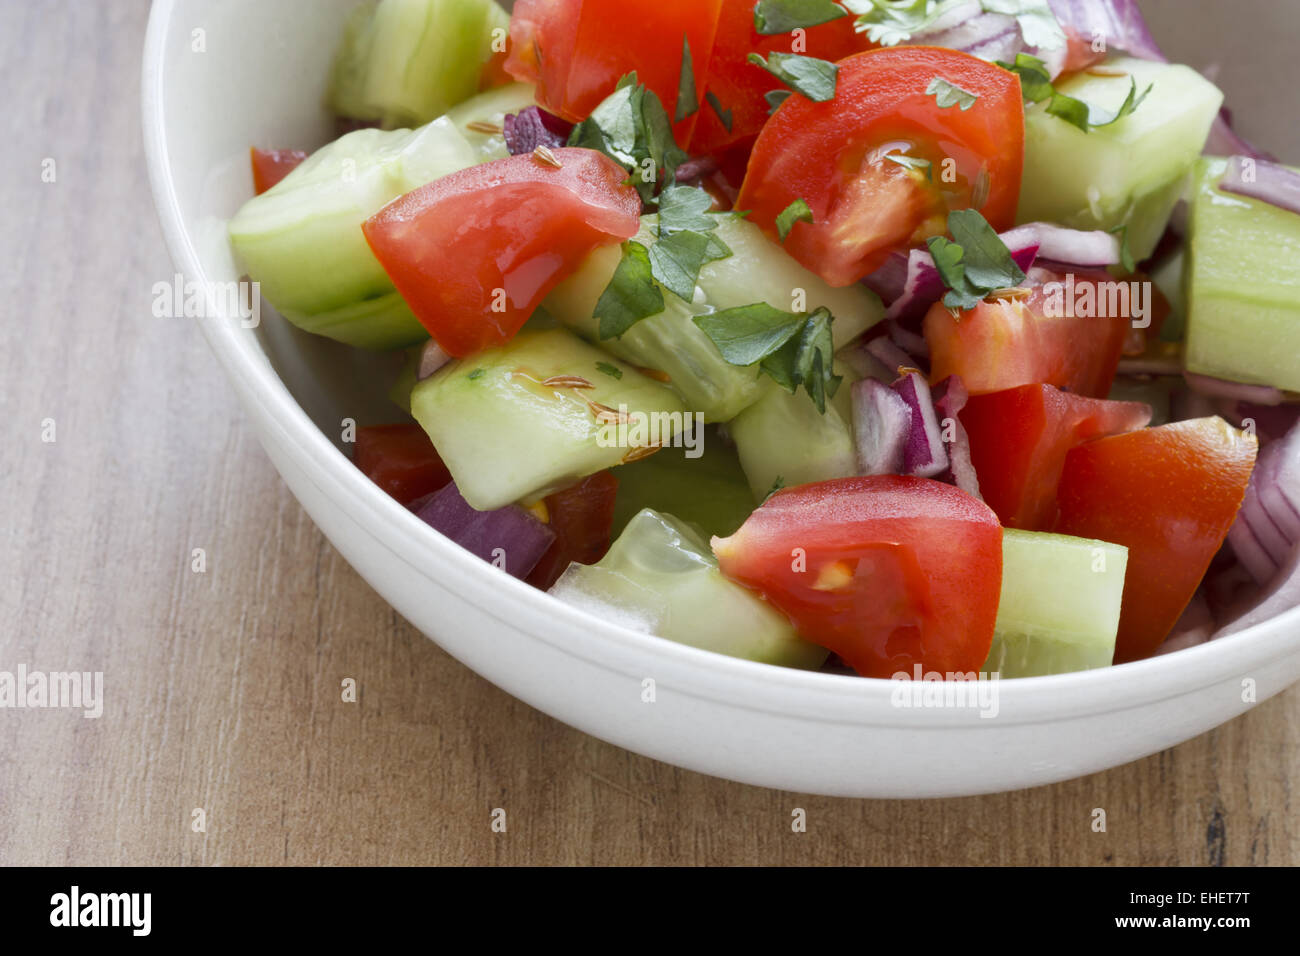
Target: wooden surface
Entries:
(222, 688)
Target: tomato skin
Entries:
(272, 165)
(1008, 343)
(740, 85)
(865, 207)
(518, 225)
(886, 571)
(401, 460)
(582, 517)
(1169, 495)
(1019, 439)
(576, 51)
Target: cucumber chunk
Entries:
(490, 108)
(506, 437)
(1131, 173)
(783, 436)
(661, 578)
(404, 62)
(302, 240)
(1243, 286)
(710, 492)
(1059, 610)
(757, 271)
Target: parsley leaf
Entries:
(688, 102)
(631, 295)
(948, 94)
(784, 16)
(1036, 85)
(724, 116)
(808, 75)
(975, 262)
(797, 211)
(791, 349)
(631, 127)
(613, 371)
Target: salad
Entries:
(938, 337)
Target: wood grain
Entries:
(222, 688)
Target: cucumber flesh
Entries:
(1243, 286)
(710, 492)
(661, 578)
(783, 437)
(406, 62)
(1131, 173)
(757, 271)
(505, 437)
(1059, 610)
(302, 240)
(490, 108)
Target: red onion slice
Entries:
(432, 358)
(1118, 22)
(887, 353)
(950, 397)
(509, 537)
(532, 127)
(881, 423)
(1259, 179)
(924, 452)
(1237, 391)
(1225, 141)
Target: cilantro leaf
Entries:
(890, 22)
(631, 127)
(1038, 24)
(631, 295)
(613, 371)
(676, 261)
(685, 208)
(797, 211)
(948, 94)
(724, 116)
(975, 263)
(808, 75)
(791, 349)
(1036, 85)
(784, 16)
(775, 98)
(688, 102)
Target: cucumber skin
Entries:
(302, 240)
(405, 62)
(671, 342)
(1056, 614)
(1135, 170)
(783, 436)
(709, 493)
(505, 440)
(665, 575)
(1243, 286)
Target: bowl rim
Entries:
(739, 683)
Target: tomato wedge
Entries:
(1019, 439)
(1169, 495)
(886, 571)
(272, 165)
(739, 86)
(401, 460)
(1038, 340)
(474, 253)
(576, 51)
(832, 156)
(582, 517)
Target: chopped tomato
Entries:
(401, 460)
(1019, 439)
(582, 518)
(474, 253)
(739, 86)
(833, 155)
(886, 571)
(1169, 495)
(576, 51)
(494, 71)
(1049, 338)
(272, 165)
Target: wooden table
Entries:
(222, 688)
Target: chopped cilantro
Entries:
(1036, 85)
(890, 22)
(476, 374)
(631, 127)
(631, 295)
(797, 211)
(688, 102)
(975, 262)
(613, 371)
(724, 116)
(808, 75)
(775, 98)
(784, 16)
(948, 94)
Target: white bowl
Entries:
(219, 77)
